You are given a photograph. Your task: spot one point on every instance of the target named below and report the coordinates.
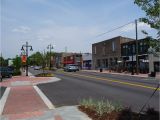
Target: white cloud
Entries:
(131, 27)
(22, 29)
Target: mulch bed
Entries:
(44, 75)
(125, 114)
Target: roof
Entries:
(112, 39)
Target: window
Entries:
(141, 46)
(103, 52)
(95, 50)
(113, 46)
(134, 49)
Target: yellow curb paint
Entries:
(115, 81)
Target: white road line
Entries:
(4, 99)
(44, 98)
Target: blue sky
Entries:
(65, 23)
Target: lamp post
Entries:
(26, 46)
(50, 47)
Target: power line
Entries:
(114, 29)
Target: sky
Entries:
(71, 24)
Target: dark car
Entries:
(6, 72)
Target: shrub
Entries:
(101, 106)
(152, 114)
(87, 103)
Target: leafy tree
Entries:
(35, 59)
(3, 62)
(17, 62)
(151, 8)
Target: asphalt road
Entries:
(129, 91)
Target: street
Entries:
(129, 91)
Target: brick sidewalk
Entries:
(23, 100)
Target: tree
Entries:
(151, 8)
(36, 59)
(17, 62)
(3, 62)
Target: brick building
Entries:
(107, 54)
(72, 58)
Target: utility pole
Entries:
(137, 61)
(132, 58)
(26, 46)
(50, 47)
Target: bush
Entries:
(101, 106)
(16, 72)
(87, 103)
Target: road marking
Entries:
(115, 81)
(44, 98)
(4, 99)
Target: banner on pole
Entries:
(24, 58)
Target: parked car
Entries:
(6, 72)
(71, 68)
(37, 67)
(0, 77)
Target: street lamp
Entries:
(50, 47)
(31, 49)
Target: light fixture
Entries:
(31, 49)
(22, 48)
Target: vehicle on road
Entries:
(37, 67)
(71, 68)
(0, 77)
(6, 72)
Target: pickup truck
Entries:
(5, 72)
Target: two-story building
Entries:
(107, 54)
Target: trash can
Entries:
(152, 74)
(101, 70)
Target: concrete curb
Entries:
(4, 99)
(53, 79)
(44, 98)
